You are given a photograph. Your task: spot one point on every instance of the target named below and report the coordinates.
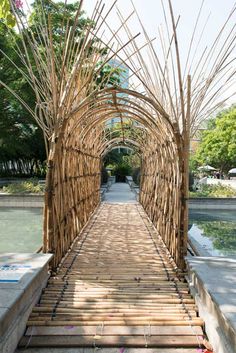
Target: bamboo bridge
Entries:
(117, 287)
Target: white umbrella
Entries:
(232, 171)
(206, 167)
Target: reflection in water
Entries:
(215, 230)
(20, 229)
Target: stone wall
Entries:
(213, 203)
(18, 200)
(32, 200)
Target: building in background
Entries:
(124, 82)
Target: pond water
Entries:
(20, 229)
(215, 230)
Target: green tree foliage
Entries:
(22, 148)
(62, 16)
(5, 13)
(114, 157)
(218, 143)
(124, 162)
(21, 141)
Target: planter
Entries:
(218, 203)
(21, 200)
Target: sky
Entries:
(214, 12)
(151, 11)
(152, 18)
(152, 15)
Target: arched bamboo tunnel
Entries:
(121, 270)
(162, 109)
(74, 175)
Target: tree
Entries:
(22, 148)
(114, 157)
(5, 13)
(21, 141)
(218, 143)
(62, 16)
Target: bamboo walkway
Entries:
(117, 287)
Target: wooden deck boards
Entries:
(118, 286)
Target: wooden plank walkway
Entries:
(118, 287)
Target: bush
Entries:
(121, 171)
(25, 187)
(218, 190)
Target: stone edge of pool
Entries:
(19, 200)
(213, 284)
(34, 200)
(219, 203)
(18, 299)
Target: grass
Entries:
(218, 190)
(25, 187)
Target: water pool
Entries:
(20, 229)
(215, 230)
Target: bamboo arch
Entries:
(85, 143)
(164, 106)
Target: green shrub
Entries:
(25, 187)
(121, 171)
(218, 190)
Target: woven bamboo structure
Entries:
(163, 107)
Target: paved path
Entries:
(120, 193)
(117, 287)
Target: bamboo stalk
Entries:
(195, 322)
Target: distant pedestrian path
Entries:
(120, 193)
